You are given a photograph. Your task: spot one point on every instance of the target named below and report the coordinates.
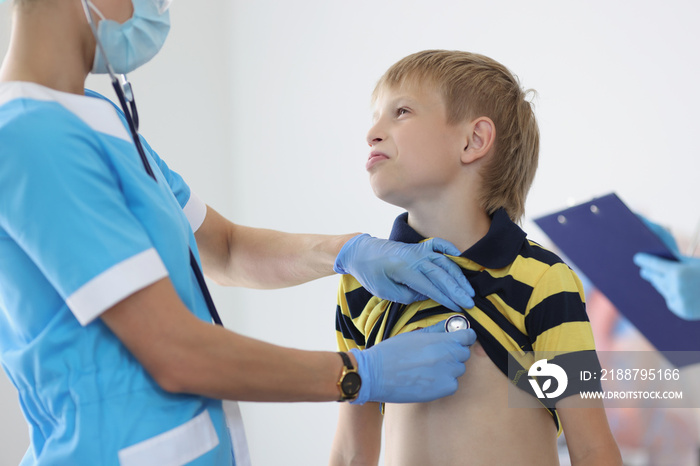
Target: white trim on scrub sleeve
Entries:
(115, 284)
(195, 210)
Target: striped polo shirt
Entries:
(528, 301)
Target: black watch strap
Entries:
(350, 381)
(346, 360)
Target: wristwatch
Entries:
(350, 381)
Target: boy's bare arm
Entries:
(358, 435)
(588, 434)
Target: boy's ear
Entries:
(481, 135)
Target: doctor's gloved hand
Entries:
(414, 367)
(678, 282)
(406, 273)
(664, 235)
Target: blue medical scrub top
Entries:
(82, 226)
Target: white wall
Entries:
(263, 106)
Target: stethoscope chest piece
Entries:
(456, 322)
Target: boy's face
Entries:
(415, 154)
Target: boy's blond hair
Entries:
(474, 85)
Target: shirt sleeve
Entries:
(559, 327)
(352, 300)
(556, 318)
(62, 204)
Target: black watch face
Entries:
(351, 383)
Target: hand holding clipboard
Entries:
(601, 237)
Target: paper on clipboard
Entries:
(600, 237)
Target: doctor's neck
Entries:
(51, 45)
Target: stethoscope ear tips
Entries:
(456, 322)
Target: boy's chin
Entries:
(391, 197)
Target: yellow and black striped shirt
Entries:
(527, 301)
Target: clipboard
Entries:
(600, 237)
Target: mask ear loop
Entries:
(162, 5)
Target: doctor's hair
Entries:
(472, 86)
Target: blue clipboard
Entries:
(600, 237)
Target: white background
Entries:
(263, 107)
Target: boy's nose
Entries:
(373, 141)
(374, 136)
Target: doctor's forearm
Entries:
(273, 259)
(231, 366)
(236, 255)
(187, 355)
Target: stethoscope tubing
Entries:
(133, 128)
(132, 120)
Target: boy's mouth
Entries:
(374, 158)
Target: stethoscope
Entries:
(127, 102)
(456, 322)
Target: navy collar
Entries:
(497, 249)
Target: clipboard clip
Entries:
(561, 218)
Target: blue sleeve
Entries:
(194, 208)
(62, 204)
(177, 184)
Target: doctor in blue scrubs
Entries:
(105, 323)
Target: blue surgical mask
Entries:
(130, 44)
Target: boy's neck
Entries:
(461, 223)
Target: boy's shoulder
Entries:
(535, 250)
(539, 266)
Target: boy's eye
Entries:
(401, 111)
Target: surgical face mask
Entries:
(126, 46)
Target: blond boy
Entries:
(455, 143)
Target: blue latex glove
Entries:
(413, 367)
(663, 234)
(405, 273)
(678, 282)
